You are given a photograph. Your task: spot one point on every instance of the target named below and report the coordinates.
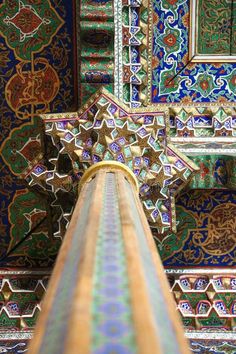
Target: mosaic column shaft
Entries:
(108, 292)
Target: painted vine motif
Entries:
(37, 75)
(206, 231)
(215, 27)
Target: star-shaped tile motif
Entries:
(102, 112)
(58, 182)
(95, 134)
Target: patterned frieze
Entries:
(106, 130)
(203, 122)
(203, 129)
(16, 343)
(20, 298)
(204, 298)
(205, 301)
(135, 20)
(213, 342)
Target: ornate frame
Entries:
(193, 33)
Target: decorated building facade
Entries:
(147, 84)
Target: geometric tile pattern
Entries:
(134, 51)
(206, 302)
(203, 130)
(20, 297)
(104, 129)
(189, 122)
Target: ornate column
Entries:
(108, 292)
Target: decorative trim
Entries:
(16, 335)
(196, 270)
(25, 272)
(195, 104)
(118, 69)
(207, 151)
(135, 35)
(203, 139)
(210, 335)
(150, 51)
(27, 335)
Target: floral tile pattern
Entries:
(175, 78)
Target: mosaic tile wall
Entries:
(175, 78)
